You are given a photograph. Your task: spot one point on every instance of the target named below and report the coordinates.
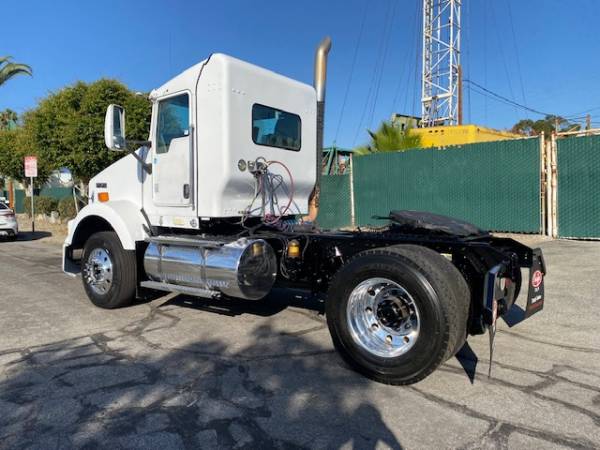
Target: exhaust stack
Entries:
(319, 84)
(321, 68)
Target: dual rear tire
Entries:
(396, 313)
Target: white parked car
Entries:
(8, 223)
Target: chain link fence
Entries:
(495, 185)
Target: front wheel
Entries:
(108, 271)
(395, 314)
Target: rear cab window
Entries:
(276, 128)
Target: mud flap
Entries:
(492, 293)
(535, 295)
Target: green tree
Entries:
(68, 126)
(9, 69)
(388, 138)
(8, 119)
(547, 125)
(14, 146)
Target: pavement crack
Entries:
(548, 436)
(552, 344)
(303, 332)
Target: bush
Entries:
(42, 205)
(66, 208)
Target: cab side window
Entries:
(173, 121)
(275, 128)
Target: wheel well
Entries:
(87, 227)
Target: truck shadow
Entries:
(281, 299)
(468, 360)
(120, 390)
(277, 301)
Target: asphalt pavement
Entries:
(179, 372)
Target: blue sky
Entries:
(546, 59)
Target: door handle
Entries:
(186, 191)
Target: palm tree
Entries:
(9, 69)
(389, 138)
(8, 119)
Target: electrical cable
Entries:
(584, 112)
(419, 28)
(468, 56)
(413, 48)
(506, 100)
(404, 70)
(516, 48)
(387, 33)
(291, 193)
(502, 56)
(372, 84)
(266, 186)
(352, 67)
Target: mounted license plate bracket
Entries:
(535, 295)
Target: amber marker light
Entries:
(293, 249)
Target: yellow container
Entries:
(460, 134)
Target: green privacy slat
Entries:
(495, 185)
(54, 192)
(334, 204)
(578, 161)
(19, 201)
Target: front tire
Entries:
(108, 271)
(395, 314)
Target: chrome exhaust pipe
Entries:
(321, 68)
(320, 82)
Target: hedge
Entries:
(66, 208)
(42, 205)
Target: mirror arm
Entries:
(146, 166)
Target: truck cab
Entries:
(207, 123)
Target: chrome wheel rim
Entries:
(98, 271)
(383, 317)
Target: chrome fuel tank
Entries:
(245, 268)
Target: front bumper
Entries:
(69, 265)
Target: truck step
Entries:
(190, 241)
(168, 287)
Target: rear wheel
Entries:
(108, 271)
(395, 314)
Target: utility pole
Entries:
(460, 96)
(441, 62)
(588, 122)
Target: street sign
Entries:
(31, 166)
(31, 173)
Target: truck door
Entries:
(172, 174)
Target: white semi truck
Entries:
(221, 201)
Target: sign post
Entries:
(31, 172)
